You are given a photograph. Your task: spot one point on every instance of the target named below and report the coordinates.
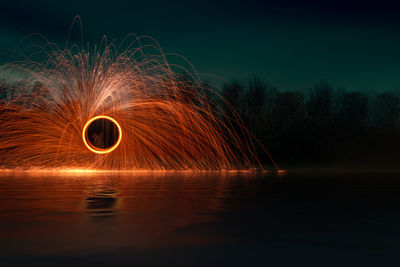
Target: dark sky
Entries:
(291, 43)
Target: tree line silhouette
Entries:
(321, 126)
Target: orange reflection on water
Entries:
(45, 213)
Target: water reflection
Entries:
(194, 219)
(102, 203)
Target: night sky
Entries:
(292, 44)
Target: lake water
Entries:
(200, 219)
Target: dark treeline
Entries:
(322, 126)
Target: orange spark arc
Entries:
(171, 119)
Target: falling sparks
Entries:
(169, 119)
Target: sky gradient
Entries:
(292, 44)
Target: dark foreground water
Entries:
(204, 219)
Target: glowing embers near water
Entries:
(102, 134)
(161, 116)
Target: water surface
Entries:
(200, 219)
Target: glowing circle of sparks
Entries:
(101, 150)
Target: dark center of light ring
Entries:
(102, 134)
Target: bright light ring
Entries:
(100, 150)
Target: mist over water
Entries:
(199, 219)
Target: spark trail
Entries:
(169, 119)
